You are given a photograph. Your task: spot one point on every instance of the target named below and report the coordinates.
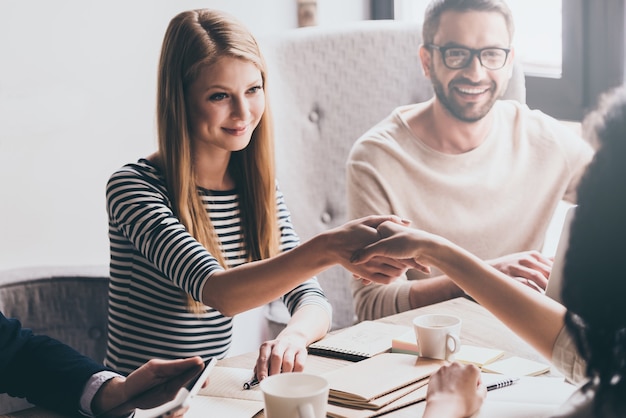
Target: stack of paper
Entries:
(378, 384)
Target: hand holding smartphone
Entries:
(165, 399)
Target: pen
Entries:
(251, 383)
(502, 383)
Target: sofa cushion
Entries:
(66, 303)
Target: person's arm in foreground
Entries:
(534, 317)
(454, 391)
(229, 291)
(121, 390)
(51, 374)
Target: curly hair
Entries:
(594, 283)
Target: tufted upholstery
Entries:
(66, 303)
(327, 86)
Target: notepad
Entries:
(361, 341)
(517, 366)
(405, 343)
(337, 411)
(377, 381)
(224, 396)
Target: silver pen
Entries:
(502, 383)
(251, 383)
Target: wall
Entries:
(77, 89)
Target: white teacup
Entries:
(295, 395)
(438, 335)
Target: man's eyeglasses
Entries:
(457, 57)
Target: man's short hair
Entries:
(436, 8)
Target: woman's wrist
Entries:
(438, 407)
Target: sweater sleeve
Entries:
(309, 292)
(140, 210)
(566, 359)
(43, 370)
(367, 196)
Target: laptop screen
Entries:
(556, 275)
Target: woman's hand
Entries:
(287, 353)
(397, 242)
(455, 390)
(344, 240)
(530, 268)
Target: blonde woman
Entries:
(199, 231)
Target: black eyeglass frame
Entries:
(473, 53)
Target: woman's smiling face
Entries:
(225, 105)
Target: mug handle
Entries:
(453, 345)
(306, 411)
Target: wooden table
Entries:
(479, 328)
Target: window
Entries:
(571, 50)
(538, 36)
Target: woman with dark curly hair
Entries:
(586, 336)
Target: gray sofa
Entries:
(327, 86)
(67, 303)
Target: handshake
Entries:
(381, 248)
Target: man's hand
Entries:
(396, 242)
(157, 381)
(529, 267)
(359, 233)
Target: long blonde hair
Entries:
(194, 40)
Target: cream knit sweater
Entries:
(493, 200)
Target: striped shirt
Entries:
(153, 258)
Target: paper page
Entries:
(477, 355)
(517, 366)
(207, 406)
(372, 378)
(544, 390)
(224, 396)
(529, 397)
(227, 382)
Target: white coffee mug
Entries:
(438, 335)
(295, 395)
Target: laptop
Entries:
(555, 280)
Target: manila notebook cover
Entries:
(418, 395)
(361, 341)
(375, 377)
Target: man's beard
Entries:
(469, 113)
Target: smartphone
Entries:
(166, 398)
